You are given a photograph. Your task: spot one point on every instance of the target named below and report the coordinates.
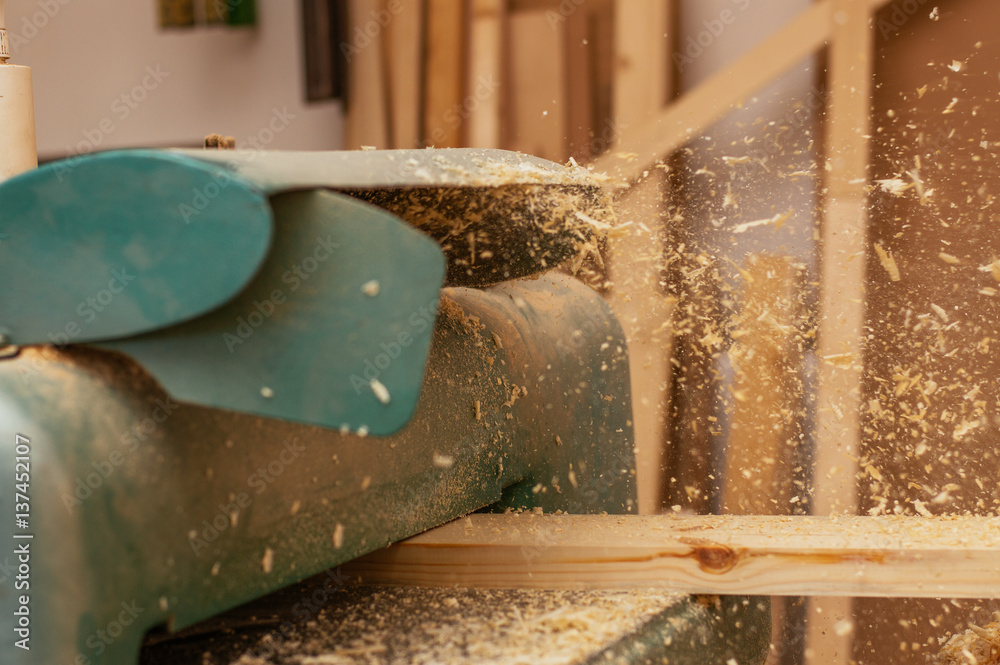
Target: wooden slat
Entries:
(844, 244)
(860, 556)
(636, 259)
(580, 107)
(404, 53)
(699, 109)
(485, 75)
(842, 293)
(367, 115)
(537, 94)
(444, 76)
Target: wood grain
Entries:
(856, 556)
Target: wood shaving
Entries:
(975, 646)
(408, 626)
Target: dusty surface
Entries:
(397, 625)
(404, 625)
(499, 232)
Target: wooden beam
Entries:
(366, 121)
(843, 247)
(444, 77)
(639, 149)
(537, 94)
(486, 58)
(579, 72)
(955, 557)
(403, 49)
(640, 83)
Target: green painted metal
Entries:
(281, 171)
(148, 512)
(117, 244)
(346, 296)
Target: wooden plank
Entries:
(486, 73)
(404, 52)
(537, 94)
(956, 557)
(444, 74)
(366, 122)
(636, 259)
(580, 108)
(699, 109)
(843, 245)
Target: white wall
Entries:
(87, 54)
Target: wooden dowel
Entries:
(815, 556)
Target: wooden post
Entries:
(444, 77)
(537, 94)
(641, 78)
(486, 73)
(367, 115)
(842, 292)
(403, 48)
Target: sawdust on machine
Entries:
(390, 626)
(506, 220)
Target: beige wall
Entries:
(92, 64)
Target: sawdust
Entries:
(492, 234)
(396, 626)
(975, 646)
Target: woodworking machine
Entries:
(225, 372)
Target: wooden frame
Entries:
(775, 556)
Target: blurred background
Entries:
(807, 268)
